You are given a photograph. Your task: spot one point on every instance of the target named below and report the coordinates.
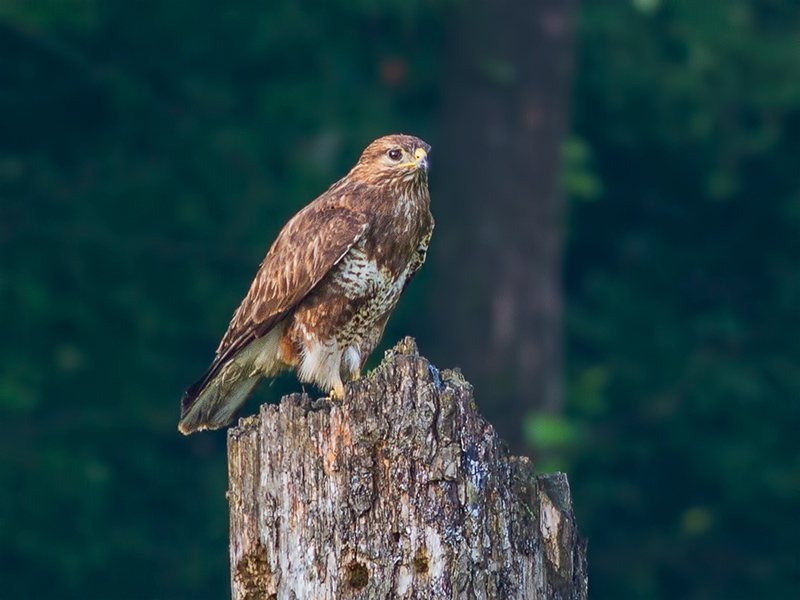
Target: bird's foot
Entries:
(337, 393)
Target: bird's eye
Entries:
(395, 154)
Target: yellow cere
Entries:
(418, 154)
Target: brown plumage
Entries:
(323, 294)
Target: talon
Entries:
(337, 393)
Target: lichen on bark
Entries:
(400, 491)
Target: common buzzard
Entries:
(322, 296)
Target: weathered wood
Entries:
(401, 491)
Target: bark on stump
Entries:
(401, 491)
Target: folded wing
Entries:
(306, 249)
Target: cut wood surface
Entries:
(400, 491)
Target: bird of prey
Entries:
(323, 294)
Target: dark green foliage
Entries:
(150, 151)
(683, 288)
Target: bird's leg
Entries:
(337, 393)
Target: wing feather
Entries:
(308, 246)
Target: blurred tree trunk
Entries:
(402, 491)
(498, 243)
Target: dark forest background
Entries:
(650, 185)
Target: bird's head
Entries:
(393, 158)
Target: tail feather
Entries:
(213, 404)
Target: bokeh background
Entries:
(150, 151)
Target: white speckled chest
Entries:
(372, 292)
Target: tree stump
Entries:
(401, 491)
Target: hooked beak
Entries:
(420, 160)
